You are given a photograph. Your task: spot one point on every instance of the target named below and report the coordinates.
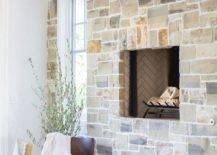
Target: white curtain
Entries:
(3, 81)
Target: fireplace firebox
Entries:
(152, 83)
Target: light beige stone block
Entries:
(105, 68)
(205, 114)
(208, 5)
(209, 19)
(153, 39)
(175, 34)
(99, 24)
(206, 66)
(206, 50)
(184, 67)
(198, 36)
(190, 81)
(101, 3)
(115, 7)
(129, 8)
(191, 20)
(187, 52)
(187, 112)
(158, 16)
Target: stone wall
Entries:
(52, 46)
(115, 26)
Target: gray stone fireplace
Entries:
(118, 26)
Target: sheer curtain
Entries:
(3, 81)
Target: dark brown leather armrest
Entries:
(82, 146)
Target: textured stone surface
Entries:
(188, 112)
(206, 66)
(155, 133)
(190, 81)
(114, 21)
(122, 25)
(211, 87)
(157, 17)
(137, 140)
(115, 7)
(163, 37)
(129, 8)
(101, 3)
(94, 46)
(199, 36)
(209, 5)
(191, 19)
(198, 146)
(164, 149)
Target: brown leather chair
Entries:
(82, 146)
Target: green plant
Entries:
(62, 112)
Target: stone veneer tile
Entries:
(89, 4)
(121, 142)
(180, 149)
(198, 146)
(156, 134)
(92, 14)
(184, 67)
(175, 34)
(206, 50)
(180, 7)
(102, 81)
(203, 130)
(137, 140)
(187, 52)
(163, 37)
(140, 126)
(190, 81)
(145, 2)
(164, 149)
(105, 68)
(158, 17)
(104, 12)
(99, 24)
(187, 112)
(94, 130)
(179, 128)
(115, 22)
(101, 3)
(94, 46)
(211, 99)
(211, 87)
(208, 19)
(115, 7)
(208, 5)
(104, 146)
(206, 66)
(129, 8)
(198, 36)
(153, 39)
(126, 127)
(205, 114)
(191, 19)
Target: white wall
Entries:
(26, 38)
(3, 79)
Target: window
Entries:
(78, 41)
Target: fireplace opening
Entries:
(152, 83)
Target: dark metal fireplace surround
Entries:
(173, 76)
